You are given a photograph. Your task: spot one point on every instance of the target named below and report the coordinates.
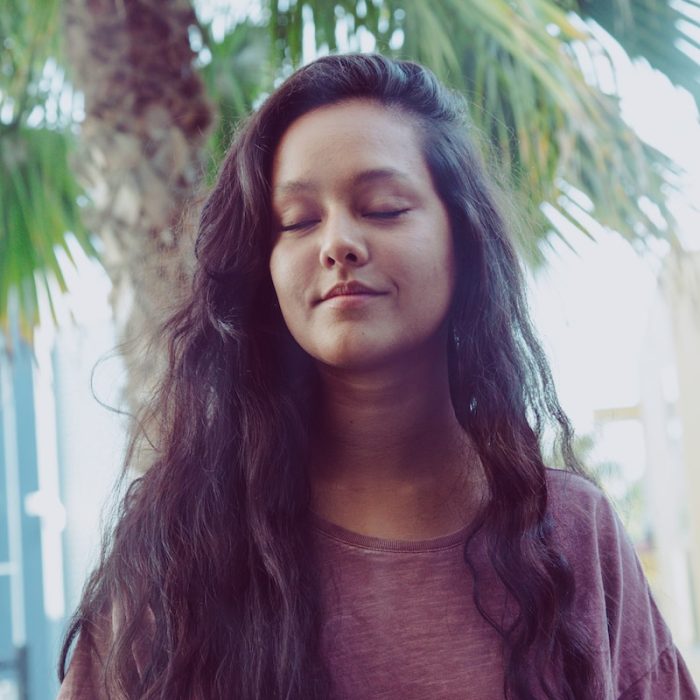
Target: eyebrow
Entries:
(362, 178)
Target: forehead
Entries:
(344, 139)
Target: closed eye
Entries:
(299, 226)
(386, 214)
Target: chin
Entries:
(358, 356)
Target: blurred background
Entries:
(115, 114)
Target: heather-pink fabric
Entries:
(400, 621)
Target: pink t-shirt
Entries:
(400, 622)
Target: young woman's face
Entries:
(362, 262)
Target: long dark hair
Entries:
(212, 544)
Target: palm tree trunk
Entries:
(140, 160)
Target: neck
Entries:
(391, 459)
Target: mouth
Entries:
(352, 288)
(347, 289)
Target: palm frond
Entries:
(29, 34)
(38, 206)
(542, 119)
(663, 32)
(235, 74)
(38, 199)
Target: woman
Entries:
(349, 498)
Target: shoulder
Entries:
(86, 671)
(571, 492)
(579, 509)
(590, 535)
(85, 676)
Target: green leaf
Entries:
(39, 207)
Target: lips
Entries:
(348, 289)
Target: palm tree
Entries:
(155, 76)
(140, 157)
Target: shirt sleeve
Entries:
(636, 653)
(647, 663)
(669, 678)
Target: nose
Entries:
(343, 242)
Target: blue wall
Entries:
(25, 632)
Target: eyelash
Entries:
(387, 215)
(297, 227)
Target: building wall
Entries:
(681, 285)
(670, 412)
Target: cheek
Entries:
(434, 273)
(446, 263)
(438, 291)
(280, 272)
(275, 274)
(287, 280)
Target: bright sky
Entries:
(592, 309)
